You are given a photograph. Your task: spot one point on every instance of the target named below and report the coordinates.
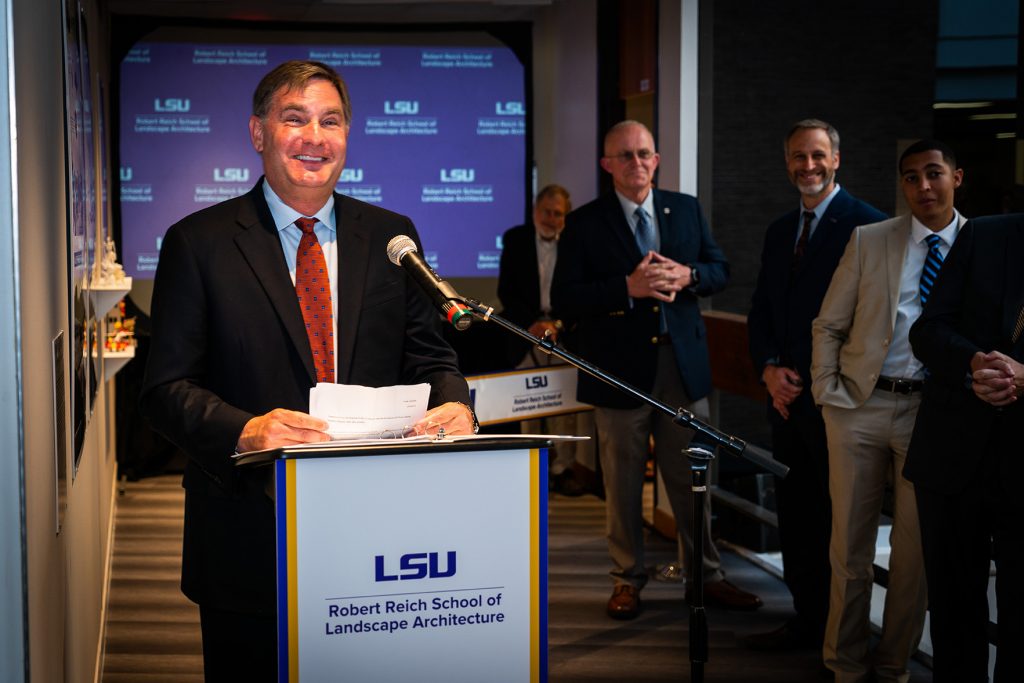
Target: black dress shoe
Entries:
(781, 638)
(624, 603)
(567, 484)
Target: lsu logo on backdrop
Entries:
(126, 174)
(172, 104)
(351, 175)
(230, 175)
(511, 108)
(537, 382)
(458, 175)
(402, 107)
(413, 566)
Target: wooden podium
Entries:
(418, 560)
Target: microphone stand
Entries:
(700, 454)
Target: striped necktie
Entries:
(313, 287)
(644, 231)
(932, 265)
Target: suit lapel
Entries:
(896, 242)
(261, 247)
(666, 227)
(353, 261)
(1013, 291)
(619, 227)
(825, 230)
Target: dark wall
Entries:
(866, 67)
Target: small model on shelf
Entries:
(120, 331)
(110, 273)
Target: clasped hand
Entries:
(784, 385)
(996, 378)
(658, 277)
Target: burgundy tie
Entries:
(313, 287)
(805, 235)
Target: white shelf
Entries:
(113, 361)
(105, 297)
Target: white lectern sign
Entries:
(422, 565)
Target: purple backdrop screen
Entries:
(438, 134)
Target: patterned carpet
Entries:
(152, 632)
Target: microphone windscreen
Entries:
(399, 246)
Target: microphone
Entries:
(402, 252)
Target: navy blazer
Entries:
(519, 276)
(973, 307)
(785, 303)
(596, 253)
(229, 343)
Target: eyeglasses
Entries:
(627, 156)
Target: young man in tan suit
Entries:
(868, 383)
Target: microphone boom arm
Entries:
(710, 435)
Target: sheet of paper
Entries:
(355, 412)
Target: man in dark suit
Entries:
(528, 256)
(965, 453)
(234, 355)
(801, 251)
(631, 265)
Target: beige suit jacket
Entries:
(853, 330)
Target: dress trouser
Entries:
(867, 448)
(805, 517)
(623, 437)
(238, 647)
(961, 532)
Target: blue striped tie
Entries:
(932, 265)
(644, 231)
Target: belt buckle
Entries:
(903, 386)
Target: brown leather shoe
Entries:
(724, 594)
(624, 603)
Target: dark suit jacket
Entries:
(973, 307)
(784, 303)
(519, 277)
(519, 287)
(596, 252)
(229, 344)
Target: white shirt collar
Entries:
(918, 230)
(285, 215)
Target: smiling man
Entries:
(868, 383)
(256, 300)
(801, 250)
(631, 266)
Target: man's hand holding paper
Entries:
(356, 412)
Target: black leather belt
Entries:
(899, 386)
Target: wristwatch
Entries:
(694, 275)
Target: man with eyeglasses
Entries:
(631, 265)
(801, 252)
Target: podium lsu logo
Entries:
(401, 107)
(537, 382)
(126, 174)
(351, 175)
(457, 175)
(172, 104)
(511, 108)
(230, 175)
(414, 566)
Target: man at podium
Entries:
(256, 300)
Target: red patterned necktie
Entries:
(313, 287)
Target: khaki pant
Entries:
(867, 447)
